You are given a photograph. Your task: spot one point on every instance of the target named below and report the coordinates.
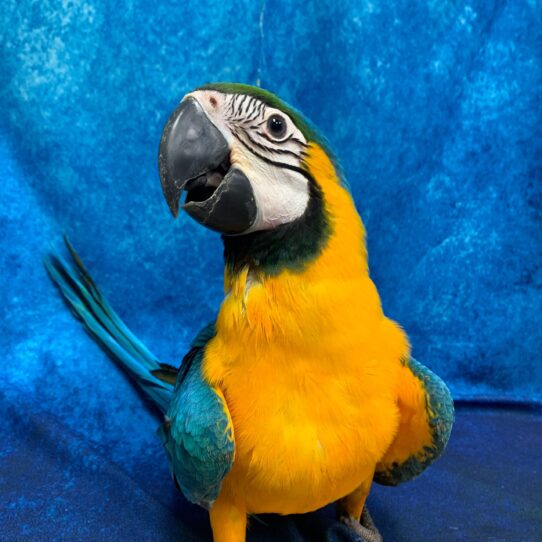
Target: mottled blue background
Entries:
(433, 107)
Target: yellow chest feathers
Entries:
(309, 380)
(327, 316)
(307, 363)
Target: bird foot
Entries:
(365, 528)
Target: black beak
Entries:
(194, 157)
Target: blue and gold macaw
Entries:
(301, 392)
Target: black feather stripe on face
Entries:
(282, 165)
(247, 140)
(246, 117)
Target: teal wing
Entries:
(426, 412)
(197, 433)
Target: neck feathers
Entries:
(296, 246)
(304, 280)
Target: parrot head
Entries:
(241, 162)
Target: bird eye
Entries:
(276, 125)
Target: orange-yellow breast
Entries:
(308, 364)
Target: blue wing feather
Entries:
(438, 410)
(197, 434)
(105, 326)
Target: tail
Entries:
(107, 329)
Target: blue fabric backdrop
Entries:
(433, 107)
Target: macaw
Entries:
(301, 392)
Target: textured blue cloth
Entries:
(486, 487)
(434, 109)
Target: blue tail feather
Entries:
(105, 326)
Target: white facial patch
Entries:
(268, 148)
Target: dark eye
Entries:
(276, 126)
